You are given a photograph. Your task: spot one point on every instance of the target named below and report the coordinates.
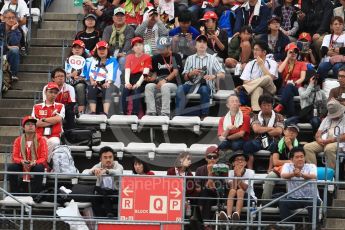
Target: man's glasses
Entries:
(212, 157)
(341, 76)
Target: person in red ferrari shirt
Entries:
(29, 154)
(50, 115)
(234, 128)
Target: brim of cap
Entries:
(232, 158)
(337, 114)
(32, 120)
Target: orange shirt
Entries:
(137, 64)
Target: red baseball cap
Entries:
(291, 46)
(210, 15)
(305, 36)
(79, 43)
(137, 40)
(212, 149)
(28, 118)
(52, 85)
(102, 44)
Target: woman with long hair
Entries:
(89, 35)
(140, 167)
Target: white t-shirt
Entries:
(337, 42)
(248, 174)
(252, 70)
(21, 8)
(308, 190)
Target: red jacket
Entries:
(41, 155)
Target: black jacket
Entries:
(279, 49)
(318, 14)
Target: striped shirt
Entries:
(211, 62)
(150, 39)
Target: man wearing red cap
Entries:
(29, 154)
(50, 115)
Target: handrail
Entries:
(1, 65)
(29, 34)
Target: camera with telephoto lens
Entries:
(220, 170)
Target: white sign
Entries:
(77, 62)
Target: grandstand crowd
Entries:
(151, 54)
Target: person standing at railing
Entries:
(105, 171)
(29, 153)
(298, 172)
(11, 36)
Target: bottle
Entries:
(188, 209)
(44, 181)
(252, 209)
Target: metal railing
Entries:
(1, 66)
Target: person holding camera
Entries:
(239, 187)
(313, 102)
(200, 72)
(137, 70)
(104, 75)
(293, 74)
(29, 154)
(151, 29)
(102, 9)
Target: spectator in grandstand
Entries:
(338, 93)
(29, 153)
(200, 72)
(207, 188)
(90, 35)
(288, 14)
(10, 33)
(239, 188)
(276, 39)
(339, 11)
(258, 75)
(66, 96)
(104, 74)
(234, 127)
(293, 73)
(255, 14)
(268, 127)
(240, 48)
(313, 102)
(102, 9)
(326, 141)
(333, 49)
(184, 35)
(137, 70)
(295, 172)
(217, 38)
(182, 168)
(151, 29)
(280, 155)
(306, 53)
(106, 185)
(119, 36)
(20, 8)
(314, 18)
(199, 8)
(140, 167)
(75, 77)
(50, 115)
(166, 68)
(135, 11)
(180, 8)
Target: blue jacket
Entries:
(279, 50)
(10, 38)
(259, 22)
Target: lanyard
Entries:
(9, 5)
(331, 42)
(170, 63)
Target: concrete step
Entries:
(49, 42)
(18, 112)
(336, 212)
(45, 51)
(34, 77)
(11, 121)
(62, 34)
(62, 25)
(341, 194)
(335, 223)
(38, 59)
(38, 67)
(62, 17)
(16, 103)
(28, 85)
(20, 94)
(8, 140)
(4, 148)
(9, 131)
(338, 203)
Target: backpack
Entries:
(62, 160)
(227, 22)
(82, 137)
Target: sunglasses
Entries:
(212, 157)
